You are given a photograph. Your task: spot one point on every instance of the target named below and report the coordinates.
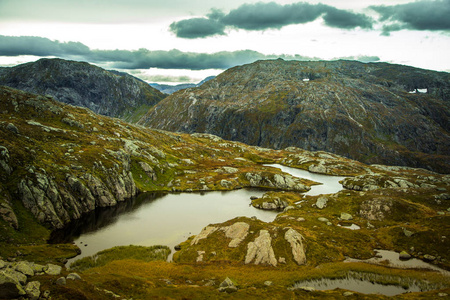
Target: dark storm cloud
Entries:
(262, 16)
(139, 59)
(422, 15)
(346, 20)
(197, 28)
(125, 59)
(38, 46)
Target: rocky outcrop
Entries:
(260, 251)
(14, 277)
(236, 232)
(348, 108)
(269, 202)
(278, 181)
(296, 240)
(81, 84)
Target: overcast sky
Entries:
(178, 41)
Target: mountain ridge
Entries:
(114, 94)
(362, 111)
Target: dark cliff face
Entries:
(81, 84)
(362, 111)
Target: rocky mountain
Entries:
(81, 84)
(59, 162)
(374, 113)
(170, 89)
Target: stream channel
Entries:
(169, 219)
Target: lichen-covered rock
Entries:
(53, 269)
(10, 286)
(25, 268)
(295, 239)
(33, 290)
(376, 209)
(260, 251)
(4, 161)
(321, 202)
(279, 181)
(236, 232)
(203, 234)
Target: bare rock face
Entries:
(296, 240)
(361, 111)
(260, 251)
(108, 93)
(236, 232)
(376, 209)
(204, 234)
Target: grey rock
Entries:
(347, 294)
(61, 281)
(73, 276)
(53, 269)
(11, 127)
(33, 290)
(25, 268)
(8, 215)
(260, 251)
(404, 255)
(203, 234)
(236, 232)
(17, 276)
(321, 202)
(428, 257)
(2, 264)
(4, 161)
(268, 283)
(306, 288)
(346, 216)
(406, 232)
(10, 287)
(322, 219)
(227, 286)
(295, 239)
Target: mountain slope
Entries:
(81, 84)
(362, 111)
(170, 89)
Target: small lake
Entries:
(169, 219)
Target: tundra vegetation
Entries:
(58, 162)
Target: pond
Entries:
(169, 219)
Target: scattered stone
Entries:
(321, 202)
(404, 255)
(33, 290)
(282, 260)
(407, 232)
(322, 219)
(268, 283)
(46, 294)
(24, 267)
(442, 294)
(429, 257)
(11, 127)
(301, 219)
(61, 281)
(307, 288)
(73, 276)
(53, 269)
(227, 286)
(200, 256)
(346, 216)
(10, 287)
(347, 294)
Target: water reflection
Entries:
(155, 219)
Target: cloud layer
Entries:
(263, 16)
(138, 59)
(422, 15)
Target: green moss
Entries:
(104, 257)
